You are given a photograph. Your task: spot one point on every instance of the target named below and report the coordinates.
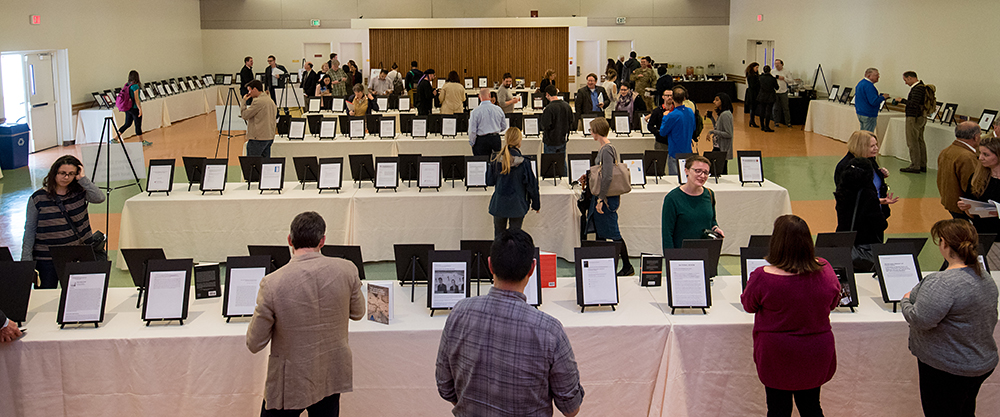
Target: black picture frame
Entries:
(93, 267)
(137, 260)
(313, 122)
(420, 164)
(681, 159)
(988, 117)
(349, 252)
(718, 163)
(242, 262)
(654, 163)
(280, 161)
(553, 165)
(843, 265)
(447, 256)
(167, 265)
(948, 113)
(759, 241)
(320, 182)
(382, 127)
(634, 180)
(193, 168)
(171, 163)
(250, 167)
(362, 168)
(65, 255)
(582, 255)
(15, 289)
(916, 242)
(533, 291)
(686, 254)
(306, 169)
(381, 160)
(744, 178)
(532, 120)
(617, 117)
(351, 121)
(901, 248)
(480, 269)
(445, 120)
(845, 96)
(204, 188)
(515, 120)
(409, 167)
(748, 254)
(834, 92)
(481, 161)
(279, 255)
(574, 175)
(714, 248)
(836, 239)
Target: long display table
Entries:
(839, 121)
(156, 113)
(937, 136)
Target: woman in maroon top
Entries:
(791, 299)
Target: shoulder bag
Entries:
(97, 240)
(621, 178)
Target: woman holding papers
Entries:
(452, 95)
(57, 215)
(689, 210)
(516, 188)
(986, 187)
(952, 315)
(791, 299)
(604, 208)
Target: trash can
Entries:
(13, 145)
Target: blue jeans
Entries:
(554, 149)
(868, 123)
(259, 148)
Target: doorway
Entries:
(351, 51)
(588, 60)
(760, 51)
(317, 53)
(32, 95)
(619, 48)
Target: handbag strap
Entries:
(62, 208)
(854, 216)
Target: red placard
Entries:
(36, 19)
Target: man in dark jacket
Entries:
(246, 75)
(664, 83)
(274, 76)
(915, 122)
(557, 120)
(631, 65)
(766, 97)
(412, 77)
(591, 98)
(309, 80)
(426, 93)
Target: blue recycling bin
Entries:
(13, 145)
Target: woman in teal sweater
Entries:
(689, 210)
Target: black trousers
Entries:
(500, 224)
(46, 274)
(946, 394)
(327, 407)
(779, 402)
(132, 115)
(486, 144)
(764, 110)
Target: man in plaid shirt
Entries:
(500, 356)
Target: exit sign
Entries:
(620, 20)
(314, 23)
(36, 19)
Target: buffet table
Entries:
(839, 121)
(937, 136)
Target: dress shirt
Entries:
(595, 98)
(500, 356)
(485, 119)
(378, 86)
(5, 323)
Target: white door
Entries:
(317, 53)
(351, 51)
(42, 101)
(588, 54)
(619, 48)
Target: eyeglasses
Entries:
(700, 171)
(66, 174)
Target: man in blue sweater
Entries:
(678, 127)
(867, 100)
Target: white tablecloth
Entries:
(189, 104)
(839, 121)
(156, 113)
(936, 135)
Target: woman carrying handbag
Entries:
(608, 180)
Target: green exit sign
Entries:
(314, 23)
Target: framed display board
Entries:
(449, 278)
(167, 290)
(330, 174)
(84, 293)
(160, 176)
(897, 269)
(243, 276)
(596, 278)
(687, 278)
(751, 167)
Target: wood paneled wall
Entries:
(475, 52)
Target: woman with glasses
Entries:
(57, 215)
(689, 210)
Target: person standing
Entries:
(498, 356)
(134, 113)
(452, 95)
(57, 216)
(628, 67)
(381, 85)
(986, 187)
(338, 81)
(858, 206)
(753, 89)
(644, 78)
(611, 86)
(8, 332)
(274, 76)
(791, 299)
(303, 310)
(394, 76)
(361, 103)
(689, 209)
(426, 93)
(868, 101)
(663, 83)
(722, 134)
(767, 97)
(915, 122)
(556, 122)
(620, 69)
(677, 127)
(261, 116)
(781, 112)
(358, 77)
(246, 75)
(654, 120)
(863, 144)
(505, 98)
(956, 165)
(413, 77)
(591, 98)
(630, 101)
(549, 79)
(952, 316)
(516, 187)
(309, 80)
(486, 122)
(603, 207)
(333, 62)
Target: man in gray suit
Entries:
(9, 331)
(303, 310)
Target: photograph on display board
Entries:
(379, 303)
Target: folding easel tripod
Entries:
(109, 126)
(227, 118)
(284, 93)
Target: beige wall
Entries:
(107, 38)
(949, 44)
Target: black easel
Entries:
(284, 92)
(109, 126)
(227, 117)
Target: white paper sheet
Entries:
(385, 174)
(586, 125)
(227, 79)
(899, 274)
(297, 130)
(518, 105)
(537, 102)
(531, 290)
(243, 286)
(328, 129)
(449, 126)
(473, 102)
(622, 125)
(530, 126)
(314, 105)
(159, 178)
(687, 283)
(338, 104)
(680, 170)
(271, 176)
(475, 174)
(468, 83)
(387, 127)
(578, 167)
(635, 171)
(753, 264)
(448, 281)
(357, 128)
(430, 174)
(419, 128)
(165, 295)
(599, 281)
(214, 178)
(329, 175)
(981, 208)
(84, 296)
(752, 171)
(440, 83)
(404, 104)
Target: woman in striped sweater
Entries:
(57, 215)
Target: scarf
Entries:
(625, 103)
(361, 106)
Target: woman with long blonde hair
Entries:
(515, 185)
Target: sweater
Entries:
(915, 100)
(723, 133)
(678, 127)
(46, 226)
(686, 217)
(867, 100)
(515, 191)
(952, 315)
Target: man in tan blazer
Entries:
(303, 310)
(261, 118)
(956, 164)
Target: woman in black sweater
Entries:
(766, 98)
(753, 88)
